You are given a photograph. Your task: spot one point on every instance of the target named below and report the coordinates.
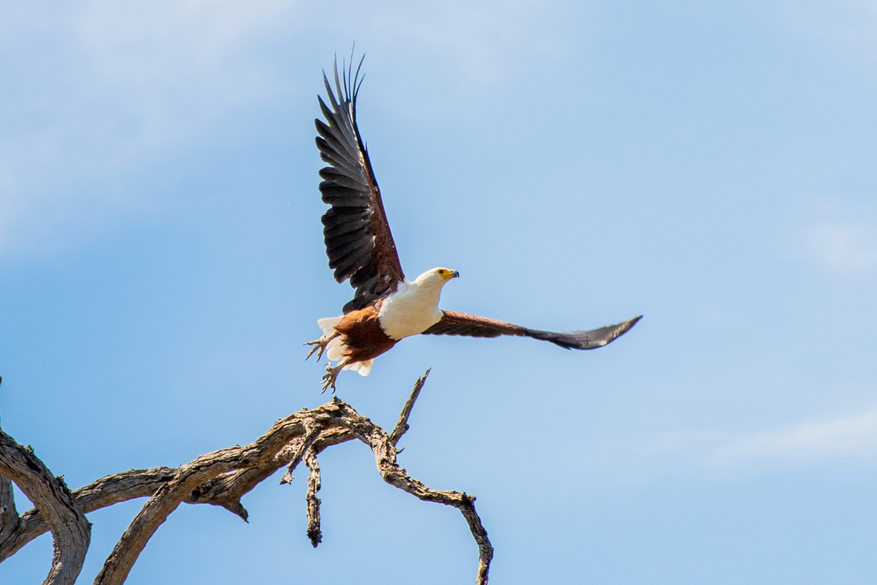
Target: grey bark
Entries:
(71, 532)
(219, 478)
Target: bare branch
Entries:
(225, 491)
(332, 436)
(479, 533)
(402, 424)
(313, 502)
(102, 493)
(71, 532)
(190, 476)
(9, 520)
(328, 438)
(385, 457)
(221, 478)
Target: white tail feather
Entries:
(336, 348)
(327, 324)
(362, 367)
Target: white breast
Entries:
(412, 309)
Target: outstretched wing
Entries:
(358, 239)
(453, 323)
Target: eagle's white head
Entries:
(436, 276)
(432, 281)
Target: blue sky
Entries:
(708, 165)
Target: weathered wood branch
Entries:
(315, 534)
(9, 520)
(104, 492)
(71, 532)
(220, 478)
(402, 424)
(385, 457)
(188, 477)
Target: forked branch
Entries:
(71, 532)
(219, 478)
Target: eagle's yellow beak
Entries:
(448, 274)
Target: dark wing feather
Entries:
(453, 323)
(355, 229)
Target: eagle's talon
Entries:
(330, 377)
(320, 346)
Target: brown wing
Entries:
(453, 323)
(358, 239)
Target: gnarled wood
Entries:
(385, 457)
(315, 534)
(219, 478)
(402, 424)
(9, 520)
(71, 532)
(188, 477)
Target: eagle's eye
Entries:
(446, 274)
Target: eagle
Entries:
(386, 306)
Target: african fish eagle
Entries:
(386, 306)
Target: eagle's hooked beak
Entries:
(447, 274)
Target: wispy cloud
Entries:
(845, 247)
(816, 442)
(102, 87)
(477, 38)
(846, 24)
(480, 46)
(851, 437)
(110, 86)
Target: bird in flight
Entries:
(386, 306)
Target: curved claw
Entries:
(320, 346)
(330, 377)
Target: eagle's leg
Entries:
(320, 345)
(332, 373)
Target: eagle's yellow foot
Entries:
(329, 378)
(320, 346)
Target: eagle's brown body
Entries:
(362, 334)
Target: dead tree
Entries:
(219, 478)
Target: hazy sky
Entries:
(708, 165)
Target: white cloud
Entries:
(847, 24)
(477, 38)
(852, 436)
(850, 439)
(102, 88)
(153, 49)
(109, 86)
(461, 51)
(844, 246)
